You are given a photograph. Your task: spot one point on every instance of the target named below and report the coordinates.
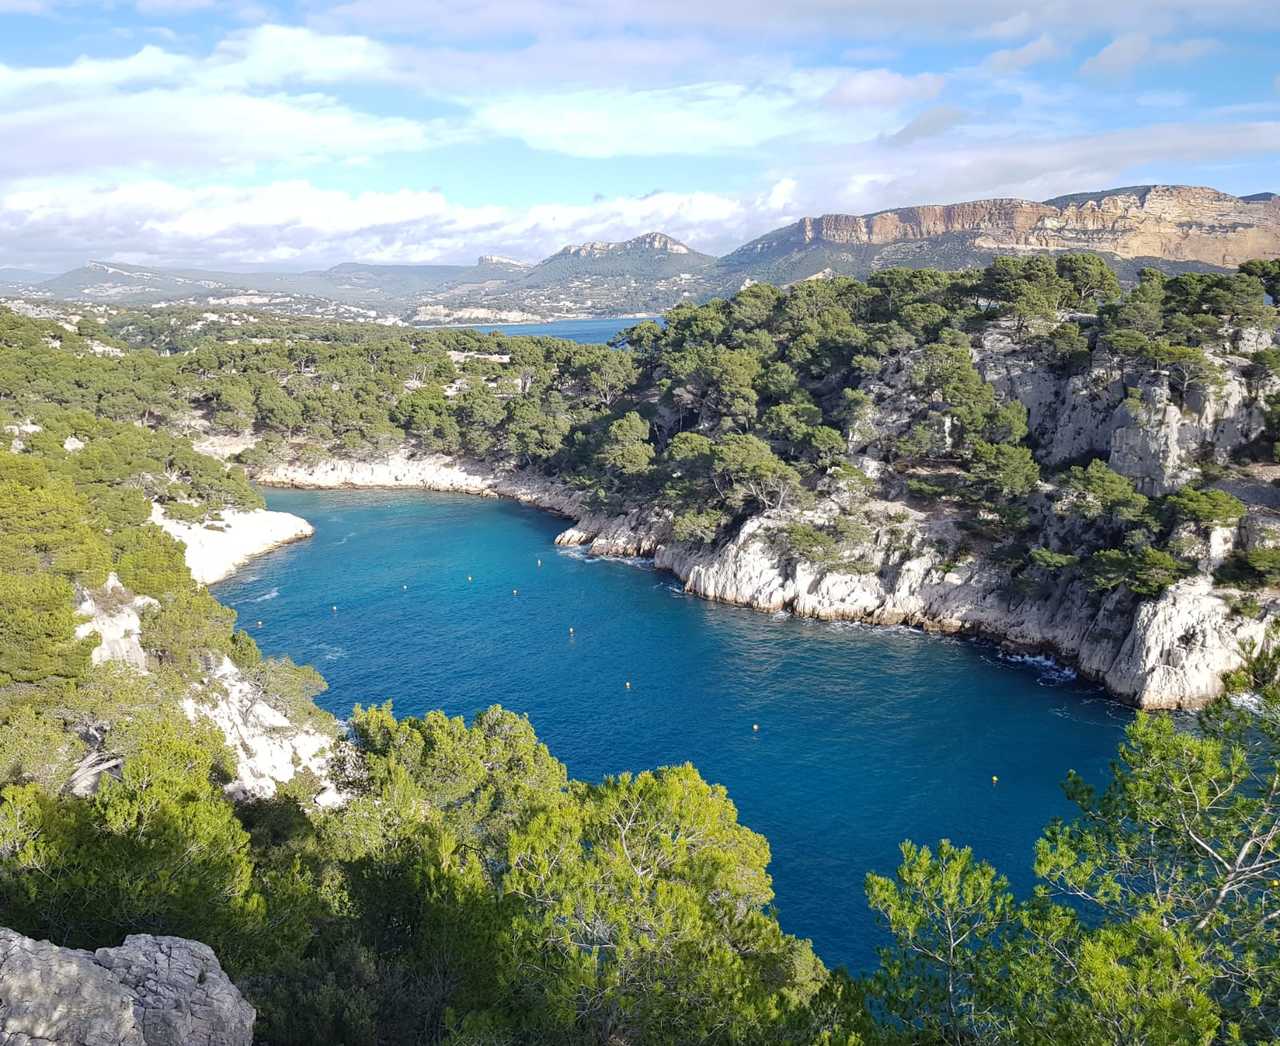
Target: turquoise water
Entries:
(589, 332)
(867, 736)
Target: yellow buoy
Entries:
(994, 779)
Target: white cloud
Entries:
(301, 224)
(195, 130)
(268, 56)
(928, 124)
(1012, 59)
(1033, 167)
(149, 65)
(883, 87)
(159, 108)
(1125, 54)
(277, 54)
(747, 19)
(1010, 28)
(158, 222)
(781, 195)
(702, 118)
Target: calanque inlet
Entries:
(1030, 453)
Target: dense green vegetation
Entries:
(724, 410)
(469, 892)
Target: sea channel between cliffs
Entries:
(1172, 655)
(865, 735)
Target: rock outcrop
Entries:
(1173, 223)
(217, 547)
(114, 616)
(404, 469)
(270, 748)
(1135, 425)
(149, 991)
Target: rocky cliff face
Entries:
(150, 991)
(1175, 223)
(270, 749)
(214, 549)
(1167, 654)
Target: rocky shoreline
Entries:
(1169, 654)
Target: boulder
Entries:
(149, 991)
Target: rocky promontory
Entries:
(216, 547)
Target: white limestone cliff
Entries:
(215, 548)
(1172, 653)
(270, 749)
(113, 614)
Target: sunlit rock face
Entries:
(1171, 222)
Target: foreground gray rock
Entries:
(150, 991)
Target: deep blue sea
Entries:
(866, 736)
(589, 332)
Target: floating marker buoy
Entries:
(570, 630)
(994, 779)
(755, 728)
(259, 624)
(405, 588)
(628, 684)
(335, 610)
(468, 577)
(515, 591)
(539, 562)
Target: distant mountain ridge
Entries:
(1178, 228)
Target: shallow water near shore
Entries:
(866, 736)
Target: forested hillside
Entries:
(1043, 438)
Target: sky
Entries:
(234, 134)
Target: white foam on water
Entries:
(1049, 671)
